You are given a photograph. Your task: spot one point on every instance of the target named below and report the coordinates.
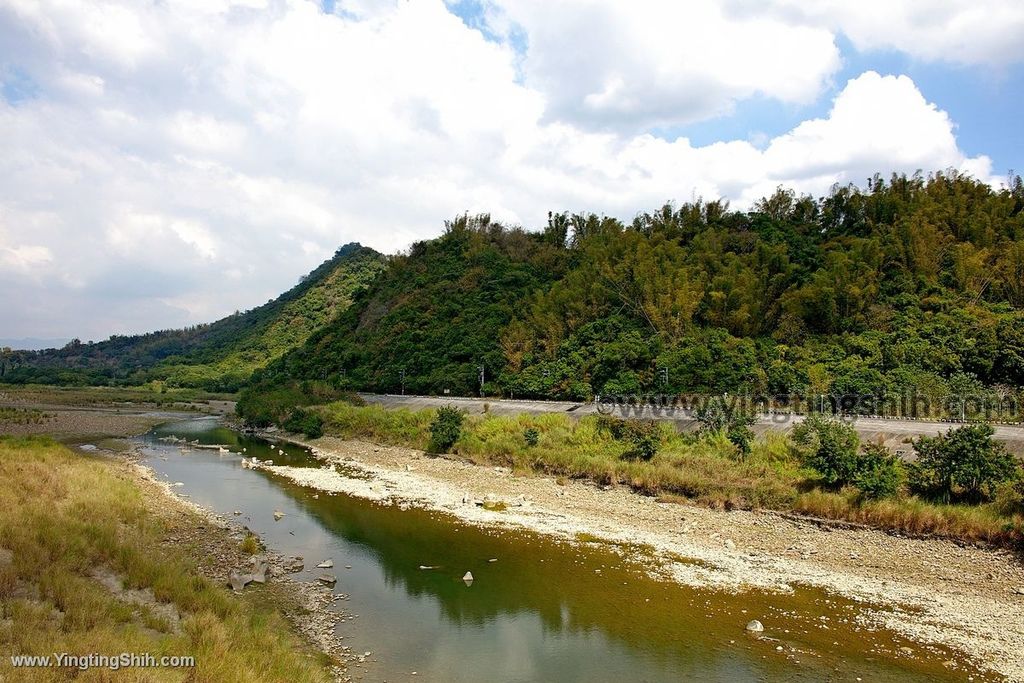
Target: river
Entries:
(537, 609)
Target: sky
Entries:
(167, 162)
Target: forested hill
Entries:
(217, 356)
(912, 283)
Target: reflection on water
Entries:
(538, 610)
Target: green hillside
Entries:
(909, 284)
(217, 356)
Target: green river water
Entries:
(543, 611)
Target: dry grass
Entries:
(916, 517)
(67, 515)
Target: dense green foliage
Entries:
(911, 285)
(220, 356)
(879, 472)
(445, 428)
(275, 406)
(966, 463)
(832, 448)
(435, 315)
(305, 422)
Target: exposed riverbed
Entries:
(539, 608)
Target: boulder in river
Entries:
(326, 564)
(467, 578)
(755, 626)
(327, 579)
(278, 515)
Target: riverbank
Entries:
(933, 591)
(172, 549)
(79, 415)
(96, 557)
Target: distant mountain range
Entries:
(216, 356)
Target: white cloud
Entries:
(205, 166)
(650, 62)
(958, 31)
(25, 257)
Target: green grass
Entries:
(66, 516)
(154, 393)
(707, 470)
(398, 427)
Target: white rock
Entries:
(755, 626)
(326, 564)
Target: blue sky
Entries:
(985, 104)
(169, 162)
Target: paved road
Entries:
(893, 432)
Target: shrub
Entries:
(532, 436)
(1009, 498)
(305, 422)
(615, 426)
(741, 436)
(965, 463)
(830, 448)
(645, 438)
(262, 406)
(445, 428)
(879, 473)
(717, 416)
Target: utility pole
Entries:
(481, 369)
(402, 373)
